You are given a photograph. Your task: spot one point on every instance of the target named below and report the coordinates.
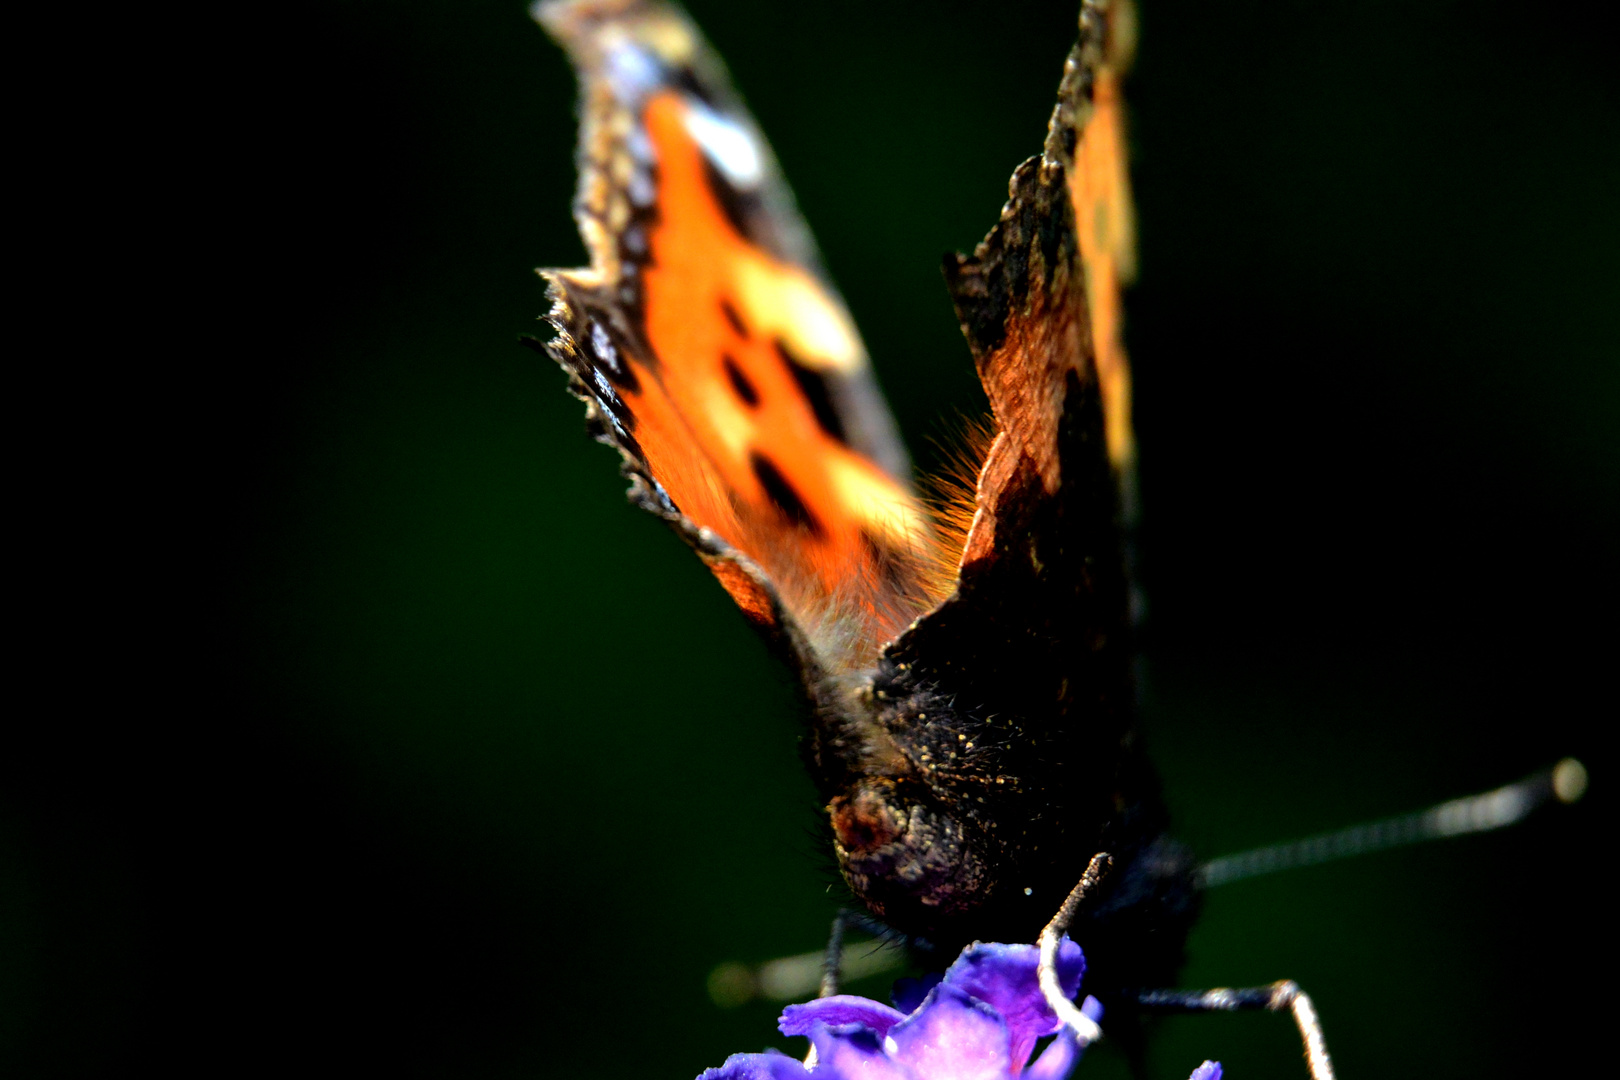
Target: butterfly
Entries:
(967, 661)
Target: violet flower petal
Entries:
(771, 1065)
(1056, 1060)
(836, 1010)
(1004, 977)
(954, 1037)
(1062, 1054)
(1209, 1070)
(852, 1052)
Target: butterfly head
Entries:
(905, 856)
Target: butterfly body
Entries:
(972, 721)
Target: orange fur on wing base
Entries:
(951, 496)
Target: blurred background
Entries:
(382, 735)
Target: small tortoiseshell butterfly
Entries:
(968, 663)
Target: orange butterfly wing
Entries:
(713, 355)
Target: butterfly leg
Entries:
(1273, 998)
(834, 960)
(1084, 1027)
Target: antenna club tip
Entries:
(1569, 779)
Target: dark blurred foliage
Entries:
(374, 732)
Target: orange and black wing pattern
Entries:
(712, 353)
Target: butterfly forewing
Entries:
(712, 351)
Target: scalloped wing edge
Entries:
(575, 349)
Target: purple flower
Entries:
(980, 1021)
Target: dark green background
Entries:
(390, 740)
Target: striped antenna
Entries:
(1565, 782)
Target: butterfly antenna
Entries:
(1565, 783)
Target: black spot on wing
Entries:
(733, 318)
(782, 494)
(739, 382)
(816, 391)
(688, 80)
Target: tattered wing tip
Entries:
(1029, 236)
(1074, 104)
